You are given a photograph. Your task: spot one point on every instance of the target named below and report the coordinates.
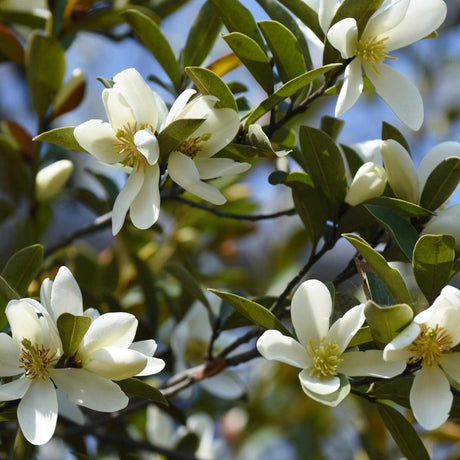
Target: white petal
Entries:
(370, 362)
(125, 198)
(226, 385)
(69, 409)
(401, 172)
(153, 366)
(117, 108)
(45, 294)
(311, 310)
(109, 330)
(9, 357)
(15, 389)
(275, 346)
(326, 11)
(351, 89)
(430, 397)
(90, 390)
(343, 36)
(37, 412)
(146, 347)
(422, 18)
(435, 156)
(138, 95)
(99, 139)
(369, 182)
(398, 92)
(343, 330)
(210, 168)
(183, 171)
(387, 17)
(320, 386)
(450, 363)
(179, 105)
(65, 294)
(147, 144)
(145, 208)
(115, 363)
(396, 349)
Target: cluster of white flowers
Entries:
(43, 375)
(129, 140)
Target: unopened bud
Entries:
(50, 180)
(369, 182)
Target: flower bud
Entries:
(369, 182)
(51, 179)
(401, 172)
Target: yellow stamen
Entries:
(35, 360)
(430, 345)
(191, 146)
(373, 51)
(326, 358)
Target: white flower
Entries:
(369, 182)
(397, 23)
(320, 351)
(50, 179)
(135, 113)
(428, 341)
(191, 164)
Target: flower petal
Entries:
(320, 386)
(99, 139)
(153, 366)
(90, 390)
(145, 208)
(147, 144)
(125, 198)
(273, 345)
(15, 389)
(343, 36)
(184, 172)
(9, 357)
(398, 92)
(65, 294)
(351, 89)
(396, 349)
(117, 108)
(226, 385)
(146, 347)
(37, 412)
(210, 168)
(178, 106)
(311, 310)
(388, 16)
(343, 330)
(69, 409)
(430, 397)
(450, 363)
(326, 11)
(370, 362)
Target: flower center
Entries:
(326, 358)
(430, 345)
(374, 51)
(35, 360)
(124, 145)
(195, 351)
(191, 146)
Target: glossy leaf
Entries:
(332, 126)
(137, 387)
(432, 262)
(253, 57)
(60, 136)
(72, 330)
(208, 82)
(401, 207)
(253, 311)
(177, 132)
(389, 276)
(361, 337)
(396, 389)
(306, 14)
(7, 293)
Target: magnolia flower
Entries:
(320, 350)
(407, 182)
(191, 163)
(369, 182)
(135, 113)
(429, 341)
(397, 23)
(50, 179)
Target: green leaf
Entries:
(137, 387)
(72, 329)
(396, 389)
(400, 229)
(238, 18)
(325, 164)
(403, 433)
(61, 136)
(7, 293)
(283, 45)
(188, 283)
(332, 126)
(177, 132)
(202, 36)
(45, 63)
(208, 82)
(306, 14)
(378, 291)
(389, 276)
(441, 183)
(386, 322)
(285, 91)
(361, 337)
(354, 161)
(390, 132)
(401, 207)
(151, 36)
(253, 311)
(22, 268)
(253, 57)
(432, 262)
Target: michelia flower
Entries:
(429, 341)
(320, 351)
(135, 112)
(407, 182)
(369, 182)
(397, 23)
(50, 180)
(191, 163)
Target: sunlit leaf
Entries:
(177, 132)
(72, 329)
(61, 136)
(137, 387)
